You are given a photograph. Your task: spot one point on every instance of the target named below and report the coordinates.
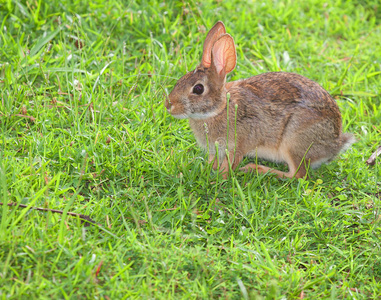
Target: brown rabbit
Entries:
(278, 116)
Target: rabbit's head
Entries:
(201, 94)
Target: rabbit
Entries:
(275, 116)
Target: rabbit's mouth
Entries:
(175, 110)
(192, 115)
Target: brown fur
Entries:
(277, 116)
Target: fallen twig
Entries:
(83, 218)
(372, 159)
(33, 119)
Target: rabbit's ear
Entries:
(217, 30)
(224, 55)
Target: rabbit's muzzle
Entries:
(167, 105)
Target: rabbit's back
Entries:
(285, 97)
(282, 89)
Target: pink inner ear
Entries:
(224, 55)
(214, 33)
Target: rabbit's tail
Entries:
(346, 140)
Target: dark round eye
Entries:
(198, 89)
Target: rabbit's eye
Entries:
(198, 89)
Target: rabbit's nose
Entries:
(167, 104)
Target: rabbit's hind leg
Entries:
(295, 170)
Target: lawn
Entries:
(83, 130)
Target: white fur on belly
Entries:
(271, 154)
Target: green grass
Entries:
(84, 130)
